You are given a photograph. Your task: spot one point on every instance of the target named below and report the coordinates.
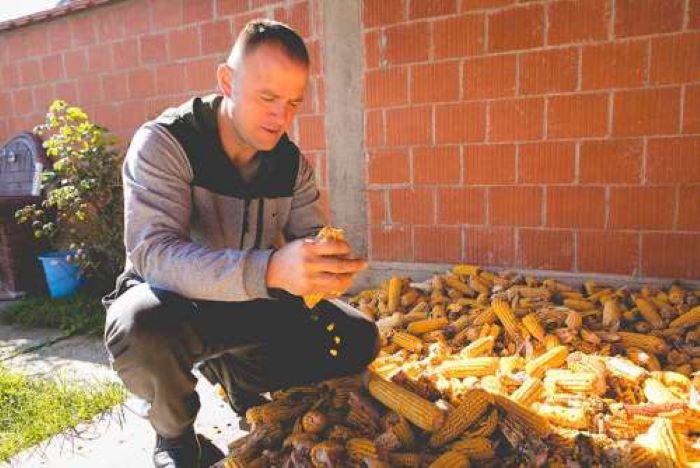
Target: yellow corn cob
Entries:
(533, 326)
(574, 321)
(479, 347)
(527, 418)
(473, 406)
(657, 392)
(466, 367)
(644, 359)
(648, 343)
(254, 415)
(580, 305)
(394, 294)
(574, 382)
(416, 409)
(529, 392)
(326, 233)
(459, 285)
(405, 459)
(673, 379)
(553, 358)
(551, 341)
(641, 457)
(485, 316)
(232, 461)
(402, 430)
(689, 319)
(460, 324)
(465, 270)
(486, 426)
(510, 364)
(475, 448)
(505, 315)
(648, 312)
(359, 448)
(438, 311)
(625, 369)
(492, 384)
(407, 341)
(424, 326)
(450, 459)
(574, 418)
(494, 331)
(611, 313)
(478, 285)
(676, 294)
(661, 439)
(409, 298)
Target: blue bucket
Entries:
(63, 278)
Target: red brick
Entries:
(487, 77)
(386, 87)
(67, 91)
(689, 208)
(515, 206)
(89, 90)
(641, 207)
(297, 16)
(646, 112)
(611, 161)
(577, 21)
(374, 128)
(458, 123)
(132, 114)
(312, 133)
(548, 71)
(30, 72)
(382, 12)
(435, 82)
(641, 17)
(675, 59)
(489, 246)
(59, 32)
(183, 43)
(389, 167)
(674, 256)
(6, 105)
(23, 101)
(407, 126)
(407, 43)
(694, 14)
(112, 24)
(166, 14)
(436, 165)
(75, 63)
(437, 244)
(125, 53)
(467, 5)
(576, 207)
(423, 9)
(195, 11)
(391, 243)
(201, 74)
(138, 21)
(461, 205)
(315, 56)
(516, 119)
(521, 27)
(614, 65)
(83, 31)
(115, 85)
(171, 78)
(153, 48)
(99, 58)
(10, 76)
(489, 164)
(545, 249)
(608, 252)
(141, 83)
(409, 206)
(546, 162)
(229, 7)
(462, 36)
(691, 109)
(577, 115)
(673, 160)
(216, 37)
(52, 67)
(377, 207)
(372, 48)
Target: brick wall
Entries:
(557, 135)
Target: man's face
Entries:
(268, 87)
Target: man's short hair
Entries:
(266, 31)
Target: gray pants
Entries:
(155, 337)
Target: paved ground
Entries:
(118, 439)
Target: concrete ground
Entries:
(116, 439)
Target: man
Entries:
(208, 188)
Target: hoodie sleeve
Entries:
(306, 217)
(157, 209)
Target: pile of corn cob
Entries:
(500, 369)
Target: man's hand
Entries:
(307, 266)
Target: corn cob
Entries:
(459, 285)
(478, 285)
(533, 326)
(450, 459)
(625, 369)
(529, 392)
(479, 347)
(424, 326)
(507, 318)
(494, 331)
(574, 382)
(407, 341)
(648, 312)
(642, 358)
(657, 392)
(416, 409)
(661, 439)
(485, 316)
(394, 294)
(475, 448)
(580, 305)
(574, 321)
(525, 417)
(466, 367)
(648, 343)
(465, 270)
(673, 379)
(409, 298)
(688, 319)
(486, 426)
(574, 418)
(359, 448)
(492, 384)
(473, 406)
(400, 427)
(406, 459)
(641, 457)
(611, 313)
(553, 358)
(551, 341)
(326, 233)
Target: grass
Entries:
(33, 409)
(81, 313)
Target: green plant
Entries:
(82, 211)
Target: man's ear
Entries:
(224, 79)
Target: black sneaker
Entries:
(210, 452)
(179, 452)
